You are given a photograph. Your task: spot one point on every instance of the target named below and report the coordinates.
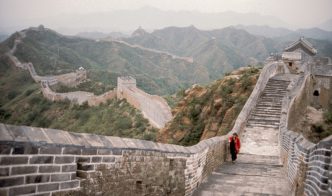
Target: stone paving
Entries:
(250, 175)
(258, 170)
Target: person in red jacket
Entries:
(234, 145)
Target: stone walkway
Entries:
(250, 175)
(258, 170)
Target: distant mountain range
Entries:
(100, 35)
(157, 73)
(326, 25)
(164, 60)
(222, 50)
(271, 32)
(3, 37)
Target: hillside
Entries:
(22, 103)
(156, 73)
(221, 50)
(205, 112)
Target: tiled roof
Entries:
(306, 45)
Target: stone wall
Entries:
(308, 166)
(153, 107)
(78, 97)
(48, 161)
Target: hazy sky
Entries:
(301, 13)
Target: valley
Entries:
(164, 62)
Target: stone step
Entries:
(263, 126)
(264, 118)
(269, 104)
(264, 121)
(269, 99)
(269, 108)
(263, 115)
(276, 85)
(276, 95)
(281, 88)
(267, 113)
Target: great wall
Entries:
(153, 107)
(274, 160)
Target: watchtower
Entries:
(298, 54)
(125, 82)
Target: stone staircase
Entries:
(258, 170)
(268, 109)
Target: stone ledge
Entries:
(31, 140)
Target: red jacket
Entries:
(237, 143)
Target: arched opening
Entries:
(316, 93)
(290, 64)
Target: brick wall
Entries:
(308, 166)
(48, 162)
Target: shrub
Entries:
(12, 94)
(123, 123)
(28, 92)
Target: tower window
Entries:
(316, 93)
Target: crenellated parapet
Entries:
(43, 161)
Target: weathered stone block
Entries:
(60, 177)
(69, 168)
(73, 176)
(82, 174)
(96, 159)
(104, 151)
(83, 159)
(18, 132)
(50, 150)
(25, 149)
(72, 150)
(89, 151)
(58, 136)
(22, 190)
(49, 168)
(108, 159)
(48, 187)
(12, 181)
(116, 152)
(5, 149)
(70, 185)
(4, 171)
(24, 170)
(13, 160)
(43, 194)
(64, 159)
(41, 159)
(37, 179)
(85, 167)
